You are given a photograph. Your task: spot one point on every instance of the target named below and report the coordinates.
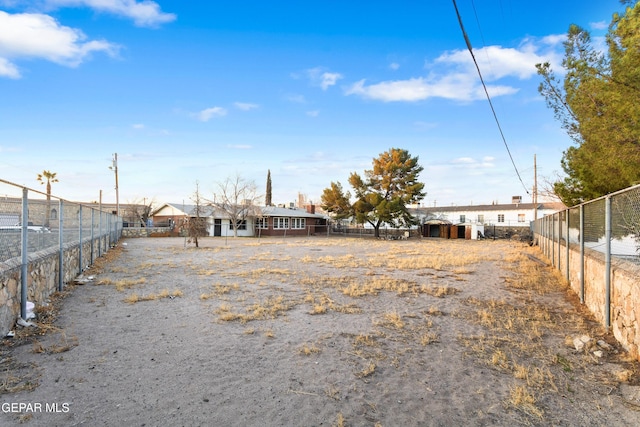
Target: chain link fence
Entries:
(46, 241)
(606, 231)
(609, 225)
(50, 222)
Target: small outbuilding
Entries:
(436, 228)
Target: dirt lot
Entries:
(316, 332)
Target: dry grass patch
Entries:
(318, 309)
(520, 397)
(340, 422)
(270, 308)
(368, 370)
(308, 349)
(219, 290)
(441, 291)
(391, 320)
(428, 338)
(165, 293)
(123, 284)
(344, 261)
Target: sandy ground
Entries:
(317, 332)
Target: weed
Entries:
(308, 350)
(369, 370)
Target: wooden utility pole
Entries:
(535, 190)
(114, 167)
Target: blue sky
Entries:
(188, 91)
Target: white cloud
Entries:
(471, 163)
(33, 35)
(322, 78)
(146, 13)
(244, 106)
(601, 25)
(7, 69)
(295, 98)
(458, 87)
(314, 113)
(394, 66)
(425, 125)
(137, 126)
(209, 113)
(496, 62)
(453, 74)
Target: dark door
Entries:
(217, 227)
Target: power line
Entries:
(495, 116)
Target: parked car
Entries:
(30, 228)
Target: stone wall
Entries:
(624, 286)
(42, 276)
(146, 231)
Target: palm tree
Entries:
(50, 177)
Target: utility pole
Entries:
(114, 167)
(535, 190)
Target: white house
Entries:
(515, 214)
(263, 220)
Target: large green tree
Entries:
(336, 201)
(596, 102)
(385, 191)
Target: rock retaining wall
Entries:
(43, 275)
(624, 286)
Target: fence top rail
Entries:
(88, 205)
(615, 193)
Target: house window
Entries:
(280, 222)
(262, 223)
(241, 224)
(500, 217)
(480, 219)
(462, 219)
(520, 217)
(297, 223)
(54, 214)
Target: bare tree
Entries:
(139, 211)
(197, 222)
(237, 198)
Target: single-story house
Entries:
(515, 214)
(259, 220)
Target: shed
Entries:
(436, 228)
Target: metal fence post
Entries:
(607, 261)
(25, 256)
(80, 238)
(553, 240)
(61, 247)
(92, 234)
(559, 239)
(566, 241)
(582, 254)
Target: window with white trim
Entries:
(262, 223)
(298, 223)
(462, 219)
(280, 223)
(520, 217)
(500, 217)
(480, 219)
(241, 224)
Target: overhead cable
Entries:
(495, 116)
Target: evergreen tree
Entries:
(392, 184)
(267, 197)
(597, 106)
